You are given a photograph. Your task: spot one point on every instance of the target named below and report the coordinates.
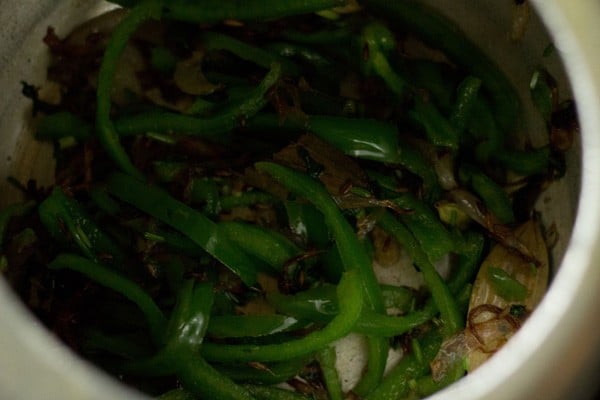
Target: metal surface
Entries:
(548, 358)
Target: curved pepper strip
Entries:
(308, 55)
(319, 303)
(58, 212)
(532, 162)
(184, 339)
(361, 138)
(439, 290)
(273, 373)
(275, 393)
(352, 252)
(107, 134)
(246, 199)
(466, 96)
(112, 280)
(434, 78)
(229, 119)
(193, 224)
(324, 37)
(184, 333)
(212, 11)
(442, 33)
(230, 326)
(439, 131)
(368, 139)
(245, 51)
(376, 41)
(62, 124)
(466, 268)
(269, 246)
(493, 195)
(350, 299)
(327, 359)
(396, 384)
(432, 235)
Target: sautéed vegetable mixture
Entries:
(241, 187)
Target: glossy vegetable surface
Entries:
(241, 189)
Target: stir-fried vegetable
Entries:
(236, 179)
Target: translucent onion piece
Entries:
(490, 323)
(492, 329)
(189, 77)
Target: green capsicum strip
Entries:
(350, 300)
(269, 246)
(327, 359)
(306, 54)
(180, 243)
(468, 263)
(168, 171)
(327, 36)
(62, 124)
(442, 33)
(107, 134)
(184, 333)
(59, 211)
(442, 296)
(485, 130)
(352, 252)
(376, 42)
(378, 347)
(526, 163)
(205, 381)
(434, 238)
(506, 285)
(213, 11)
(438, 129)
(112, 280)
(368, 139)
(125, 346)
(229, 119)
(272, 374)
(426, 385)
(307, 223)
(416, 163)
(434, 78)
(495, 197)
(246, 199)
(197, 227)
(354, 256)
(206, 191)
(543, 93)
(396, 384)
(184, 340)
(320, 304)
(466, 96)
(232, 326)
(103, 201)
(275, 393)
(470, 251)
(361, 138)
(256, 55)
